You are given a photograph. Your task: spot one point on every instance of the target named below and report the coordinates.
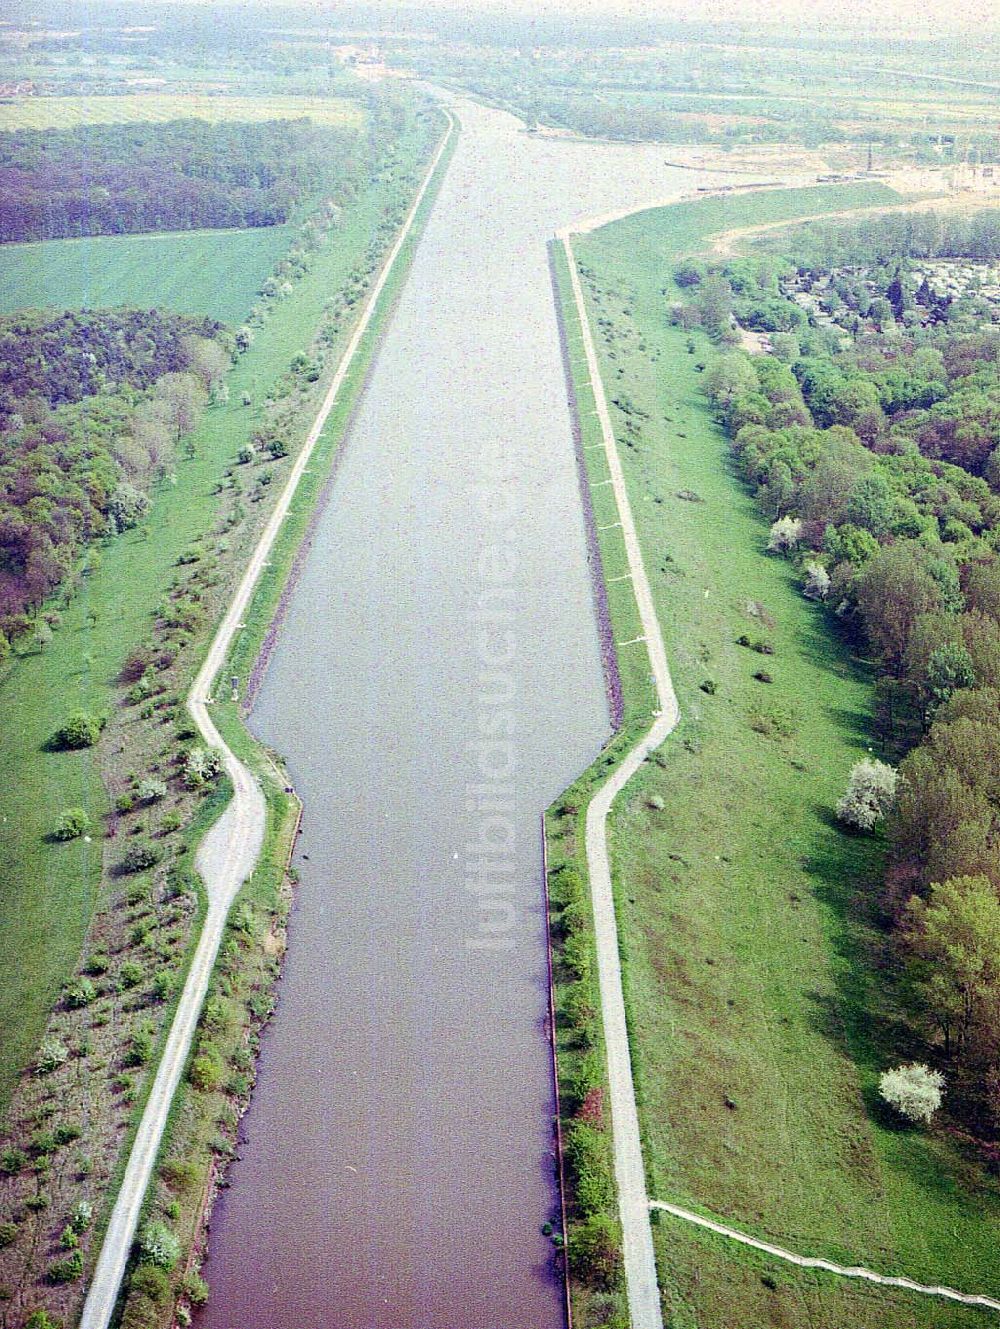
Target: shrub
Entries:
(180, 1173)
(73, 822)
(68, 1270)
(124, 803)
(130, 974)
(40, 1319)
(870, 794)
(140, 1049)
(68, 1238)
(151, 790)
(12, 1160)
(158, 1246)
(138, 856)
(82, 1216)
(163, 985)
(8, 1234)
(150, 1281)
(52, 1054)
(201, 765)
(207, 1070)
(140, 1313)
(588, 1152)
(246, 453)
(595, 1251)
(914, 1091)
(81, 730)
(194, 1287)
(80, 992)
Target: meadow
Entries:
(191, 272)
(50, 890)
(156, 108)
(759, 1012)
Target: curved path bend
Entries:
(229, 852)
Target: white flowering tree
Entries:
(915, 1090)
(870, 794)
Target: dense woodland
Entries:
(92, 407)
(186, 174)
(876, 454)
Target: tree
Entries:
(870, 794)
(914, 1090)
(817, 583)
(786, 533)
(955, 936)
(871, 505)
(730, 377)
(894, 589)
(949, 668)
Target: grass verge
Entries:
(758, 1016)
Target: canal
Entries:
(437, 683)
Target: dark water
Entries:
(437, 683)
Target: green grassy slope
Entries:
(48, 890)
(193, 272)
(758, 1015)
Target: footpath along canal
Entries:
(437, 682)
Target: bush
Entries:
(12, 1160)
(8, 1234)
(80, 992)
(81, 730)
(158, 1246)
(138, 856)
(140, 1313)
(68, 1270)
(207, 1070)
(194, 1287)
(201, 765)
(82, 1216)
(40, 1319)
(595, 1251)
(870, 795)
(150, 1281)
(914, 1091)
(130, 974)
(151, 790)
(52, 1054)
(140, 1050)
(588, 1152)
(72, 823)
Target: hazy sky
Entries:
(804, 13)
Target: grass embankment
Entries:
(158, 108)
(201, 1133)
(111, 622)
(189, 272)
(758, 1015)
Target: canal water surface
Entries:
(438, 681)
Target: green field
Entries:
(759, 1015)
(190, 272)
(153, 108)
(49, 890)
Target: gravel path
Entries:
(811, 1262)
(228, 853)
(640, 1261)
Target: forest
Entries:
(870, 433)
(92, 407)
(178, 176)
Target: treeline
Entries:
(878, 463)
(182, 175)
(899, 235)
(92, 409)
